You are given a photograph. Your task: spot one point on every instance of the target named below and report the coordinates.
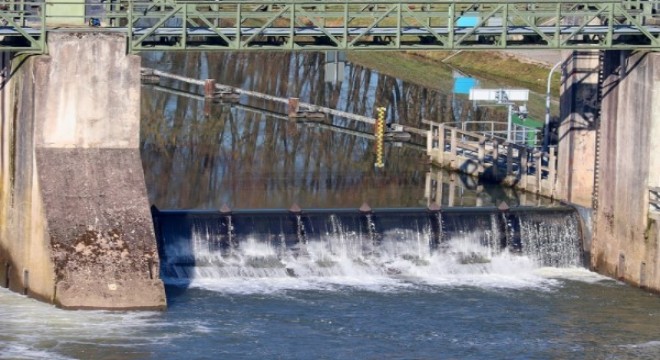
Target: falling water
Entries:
(345, 247)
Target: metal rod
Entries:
(509, 123)
(546, 129)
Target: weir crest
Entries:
(394, 243)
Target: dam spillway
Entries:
(349, 243)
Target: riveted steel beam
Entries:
(175, 25)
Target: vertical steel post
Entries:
(292, 26)
(345, 38)
(546, 129)
(398, 26)
(129, 26)
(481, 155)
(509, 122)
(336, 64)
(610, 26)
(535, 157)
(184, 27)
(557, 39)
(22, 13)
(238, 25)
(505, 25)
(450, 26)
(441, 144)
(496, 155)
(42, 38)
(524, 166)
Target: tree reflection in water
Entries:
(250, 160)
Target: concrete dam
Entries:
(76, 228)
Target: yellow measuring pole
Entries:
(379, 132)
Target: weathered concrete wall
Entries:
(626, 238)
(577, 131)
(74, 203)
(25, 262)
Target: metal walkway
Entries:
(169, 25)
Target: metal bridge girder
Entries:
(174, 25)
(20, 29)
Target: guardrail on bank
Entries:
(531, 137)
(340, 24)
(485, 157)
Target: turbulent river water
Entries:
(511, 308)
(481, 285)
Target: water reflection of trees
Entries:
(249, 160)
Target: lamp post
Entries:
(546, 130)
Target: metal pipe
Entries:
(508, 126)
(546, 130)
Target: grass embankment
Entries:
(405, 66)
(498, 67)
(494, 69)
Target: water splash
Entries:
(492, 250)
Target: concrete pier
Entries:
(626, 241)
(608, 158)
(76, 229)
(578, 127)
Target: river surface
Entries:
(400, 301)
(529, 314)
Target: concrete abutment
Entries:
(608, 158)
(626, 243)
(76, 229)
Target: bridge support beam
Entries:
(75, 223)
(626, 242)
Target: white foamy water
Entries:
(572, 273)
(35, 330)
(453, 299)
(20, 351)
(352, 261)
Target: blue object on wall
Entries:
(462, 85)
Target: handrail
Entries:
(482, 156)
(504, 133)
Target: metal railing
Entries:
(23, 26)
(342, 24)
(486, 157)
(498, 130)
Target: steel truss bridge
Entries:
(171, 25)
